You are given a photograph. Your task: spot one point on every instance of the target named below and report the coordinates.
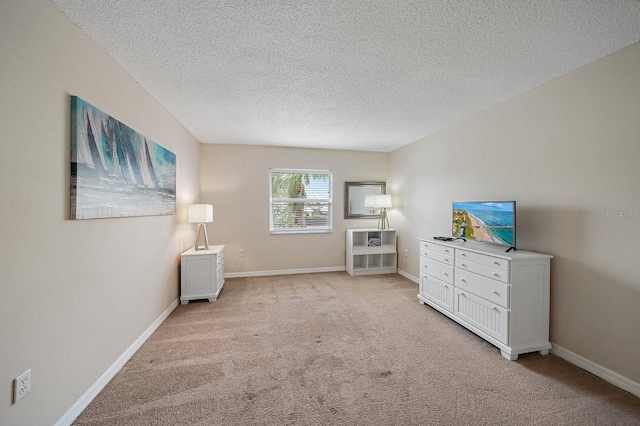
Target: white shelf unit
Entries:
(502, 297)
(202, 274)
(363, 259)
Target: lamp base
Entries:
(202, 227)
(383, 221)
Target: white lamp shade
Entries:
(382, 201)
(200, 213)
(369, 200)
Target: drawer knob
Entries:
(445, 274)
(446, 286)
(496, 262)
(463, 265)
(446, 260)
(496, 309)
(463, 255)
(496, 275)
(463, 280)
(496, 293)
(446, 250)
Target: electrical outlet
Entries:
(406, 253)
(241, 252)
(21, 385)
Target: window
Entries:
(300, 201)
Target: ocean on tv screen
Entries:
(485, 221)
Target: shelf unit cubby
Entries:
(365, 259)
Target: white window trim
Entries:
(329, 201)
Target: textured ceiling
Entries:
(346, 74)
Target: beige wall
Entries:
(568, 153)
(74, 294)
(235, 179)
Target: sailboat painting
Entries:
(116, 171)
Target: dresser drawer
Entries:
(487, 271)
(486, 316)
(491, 290)
(438, 248)
(447, 259)
(437, 270)
(483, 259)
(437, 291)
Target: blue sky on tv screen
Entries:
(496, 206)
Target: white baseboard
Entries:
(409, 276)
(302, 271)
(600, 371)
(106, 377)
(283, 272)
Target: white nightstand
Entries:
(202, 274)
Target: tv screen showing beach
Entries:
(492, 222)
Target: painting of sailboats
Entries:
(116, 171)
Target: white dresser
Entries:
(202, 274)
(365, 259)
(502, 297)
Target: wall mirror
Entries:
(354, 193)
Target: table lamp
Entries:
(382, 202)
(201, 214)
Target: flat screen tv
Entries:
(487, 221)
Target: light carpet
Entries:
(331, 349)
